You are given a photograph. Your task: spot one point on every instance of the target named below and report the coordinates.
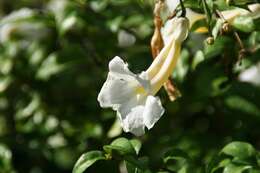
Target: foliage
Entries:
(54, 61)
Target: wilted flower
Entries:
(132, 95)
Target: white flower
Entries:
(131, 95)
(172, 5)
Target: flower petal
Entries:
(134, 121)
(126, 107)
(153, 111)
(116, 91)
(172, 5)
(118, 66)
(121, 85)
(193, 16)
(175, 29)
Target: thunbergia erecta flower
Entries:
(132, 95)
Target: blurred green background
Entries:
(54, 59)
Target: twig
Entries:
(241, 45)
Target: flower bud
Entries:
(226, 27)
(210, 40)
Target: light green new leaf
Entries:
(244, 23)
(242, 104)
(136, 144)
(232, 168)
(239, 150)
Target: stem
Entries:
(241, 45)
(207, 11)
(183, 9)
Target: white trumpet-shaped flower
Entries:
(132, 95)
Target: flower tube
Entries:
(132, 95)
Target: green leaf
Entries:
(208, 10)
(220, 165)
(140, 164)
(194, 4)
(131, 168)
(198, 58)
(244, 23)
(221, 44)
(177, 160)
(5, 159)
(232, 168)
(136, 144)
(241, 2)
(182, 66)
(136, 167)
(121, 146)
(88, 159)
(241, 150)
(198, 24)
(242, 104)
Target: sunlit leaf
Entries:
(88, 159)
(240, 150)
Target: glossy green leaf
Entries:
(241, 150)
(244, 23)
(88, 159)
(232, 168)
(177, 160)
(221, 44)
(136, 144)
(122, 146)
(242, 104)
(5, 159)
(137, 165)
